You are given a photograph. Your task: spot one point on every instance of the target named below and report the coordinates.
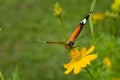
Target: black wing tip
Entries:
(90, 12)
(83, 22)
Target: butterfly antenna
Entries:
(38, 42)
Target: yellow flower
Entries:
(98, 16)
(111, 14)
(79, 59)
(116, 78)
(116, 6)
(58, 10)
(107, 62)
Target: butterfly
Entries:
(69, 44)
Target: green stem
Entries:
(15, 74)
(91, 28)
(63, 26)
(90, 20)
(1, 76)
(90, 73)
(93, 5)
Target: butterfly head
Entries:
(69, 45)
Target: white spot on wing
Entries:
(84, 21)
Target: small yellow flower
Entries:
(111, 14)
(98, 16)
(116, 6)
(0, 29)
(107, 62)
(79, 59)
(58, 10)
(116, 78)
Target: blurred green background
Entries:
(23, 21)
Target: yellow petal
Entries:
(69, 67)
(68, 64)
(77, 68)
(82, 51)
(74, 53)
(68, 70)
(90, 50)
(86, 60)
